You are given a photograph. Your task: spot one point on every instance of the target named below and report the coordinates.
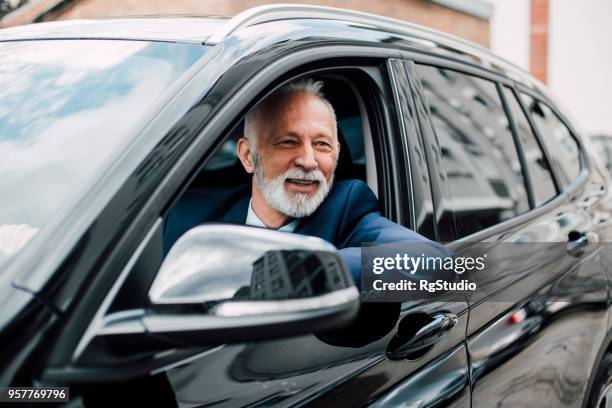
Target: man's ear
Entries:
(245, 155)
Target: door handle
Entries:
(426, 334)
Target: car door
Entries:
(350, 366)
(536, 326)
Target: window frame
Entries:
(407, 121)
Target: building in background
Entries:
(465, 18)
(564, 43)
(561, 42)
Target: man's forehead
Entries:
(285, 103)
(296, 114)
(299, 105)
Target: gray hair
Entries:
(253, 121)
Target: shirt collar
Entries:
(253, 219)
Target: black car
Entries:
(457, 144)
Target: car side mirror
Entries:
(228, 283)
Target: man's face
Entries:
(297, 154)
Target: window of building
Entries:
(479, 156)
(562, 147)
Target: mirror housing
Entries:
(229, 283)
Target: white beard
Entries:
(296, 205)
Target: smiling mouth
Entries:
(302, 182)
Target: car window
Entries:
(223, 168)
(223, 175)
(540, 175)
(562, 147)
(68, 108)
(479, 157)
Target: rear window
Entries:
(542, 183)
(68, 108)
(563, 148)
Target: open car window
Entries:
(223, 169)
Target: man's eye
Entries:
(323, 144)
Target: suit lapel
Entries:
(317, 225)
(238, 212)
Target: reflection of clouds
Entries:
(29, 69)
(55, 140)
(56, 162)
(32, 105)
(78, 55)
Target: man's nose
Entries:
(306, 158)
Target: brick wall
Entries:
(29, 13)
(538, 55)
(417, 11)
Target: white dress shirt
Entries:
(253, 219)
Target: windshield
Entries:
(68, 108)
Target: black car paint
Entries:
(502, 371)
(305, 369)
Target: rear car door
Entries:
(540, 314)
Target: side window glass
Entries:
(539, 171)
(479, 156)
(562, 147)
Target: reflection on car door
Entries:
(535, 335)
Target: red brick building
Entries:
(538, 53)
(468, 19)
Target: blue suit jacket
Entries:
(348, 217)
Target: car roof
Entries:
(213, 30)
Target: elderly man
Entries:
(291, 147)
